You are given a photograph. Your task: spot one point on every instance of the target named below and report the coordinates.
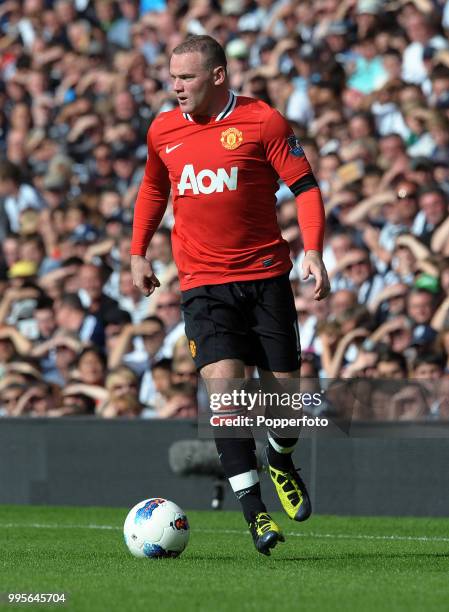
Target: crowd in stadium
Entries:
(365, 85)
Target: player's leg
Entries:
(236, 449)
(235, 446)
(290, 487)
(216, 320)
(278, 349)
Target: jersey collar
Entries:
(232, 100)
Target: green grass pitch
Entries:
(328, 563)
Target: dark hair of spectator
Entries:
(88, 406)
(393, 135)
(116, 316)
(72, 300)
(393, 357)
(92, 349)
(393, 52)
(164, 231)
(10, 172)
(432, 188)
(439, 72)
(72, 261)
(44, 303)
(36, 239)
(155, 319)
(373, 170)
(429, 359)
(360, 314)
(181, 388)
(162, 364)
(419, 291)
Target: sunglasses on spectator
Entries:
(151, 335)
(186, 374)
(38, 398)
(362, 262)
(10, 400)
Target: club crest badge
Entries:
(192, 347)
(231, 138)
(294, 146)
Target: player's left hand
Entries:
(313, 265)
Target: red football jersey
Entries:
(223, 172)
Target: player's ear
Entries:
(219, 75)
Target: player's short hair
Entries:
(209, 48)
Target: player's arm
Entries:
(150, 206)
(288, 159)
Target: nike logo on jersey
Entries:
(170, 149)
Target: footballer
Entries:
(221, 155)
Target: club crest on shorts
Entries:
(192, 347)
(231, 138)
(294, 146)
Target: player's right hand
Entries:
(143, 276)
(313, 265)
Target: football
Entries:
(156, 528)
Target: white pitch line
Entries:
(344, 536)
(56, 526)
(310, 534)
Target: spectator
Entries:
(168, 308)
(420, 306)
(73, 318)
(146, 341)
(358, 275)
(432, 202)
(130, 298)
(182, 402)
(161, 372)
(16, 194)
(122, 401)
(39, 400)
(392, 366)
(91, 367)
(91, 293)
(58, 356)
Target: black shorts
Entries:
(254, 321)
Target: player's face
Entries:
(193, 83)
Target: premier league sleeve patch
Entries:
(294, 146)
